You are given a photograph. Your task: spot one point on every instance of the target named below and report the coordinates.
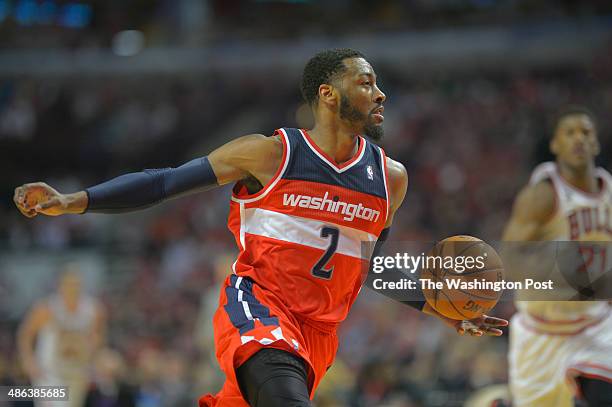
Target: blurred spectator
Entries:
(60, 335)
(108, 388)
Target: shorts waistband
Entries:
(532, 324)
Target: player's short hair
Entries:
(569, 110)
(323, 68)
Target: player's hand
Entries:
(483, 325)
(38, 197)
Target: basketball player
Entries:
(562, 349)
(59, 337)
(302, 203)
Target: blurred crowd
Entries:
(467, 140)
(76, 24)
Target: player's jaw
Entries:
(365, 122)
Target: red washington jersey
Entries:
(300, 237)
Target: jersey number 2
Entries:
(319, 269)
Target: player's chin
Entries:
(580, 161)
(374, 131)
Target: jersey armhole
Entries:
(383, 163)
(238, 189)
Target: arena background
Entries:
(90, 90)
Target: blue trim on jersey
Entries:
(235, 309)
(305, 165)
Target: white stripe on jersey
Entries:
(305, 231)
(245, 305)
(242, 226)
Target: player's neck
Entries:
(580, 178)
(338, 143)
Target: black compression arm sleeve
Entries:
(140, 190)
(394, 276)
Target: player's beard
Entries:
(351, 114)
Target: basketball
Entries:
(463, 272)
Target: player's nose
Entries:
(580, 139)
(379, 96)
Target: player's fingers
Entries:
(36, 184)
(493, 332)
(495, 321)
(22, 195)
(47, 204)
(29, 213)
(466, 327)
(18, 196)
(21, 209)
(475, 332)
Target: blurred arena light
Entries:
(75, 15)
(31, 12)
(128, 43)
(4, 10)
(451, 177)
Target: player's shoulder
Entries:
(398, 181)
(540, 190)
(396, 171)
(545, 171)
(604, 175)
(42, 310)
(537, 199)
(254, 145)
(261, 141)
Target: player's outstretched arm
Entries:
(248, 156)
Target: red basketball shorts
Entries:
(250, 318)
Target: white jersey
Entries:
(552, 343)
(578, 216)
(64, 344)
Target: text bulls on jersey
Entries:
(586, 220)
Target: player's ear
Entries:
(328, 94)
(553, 146)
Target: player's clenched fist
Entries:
(38, 197)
